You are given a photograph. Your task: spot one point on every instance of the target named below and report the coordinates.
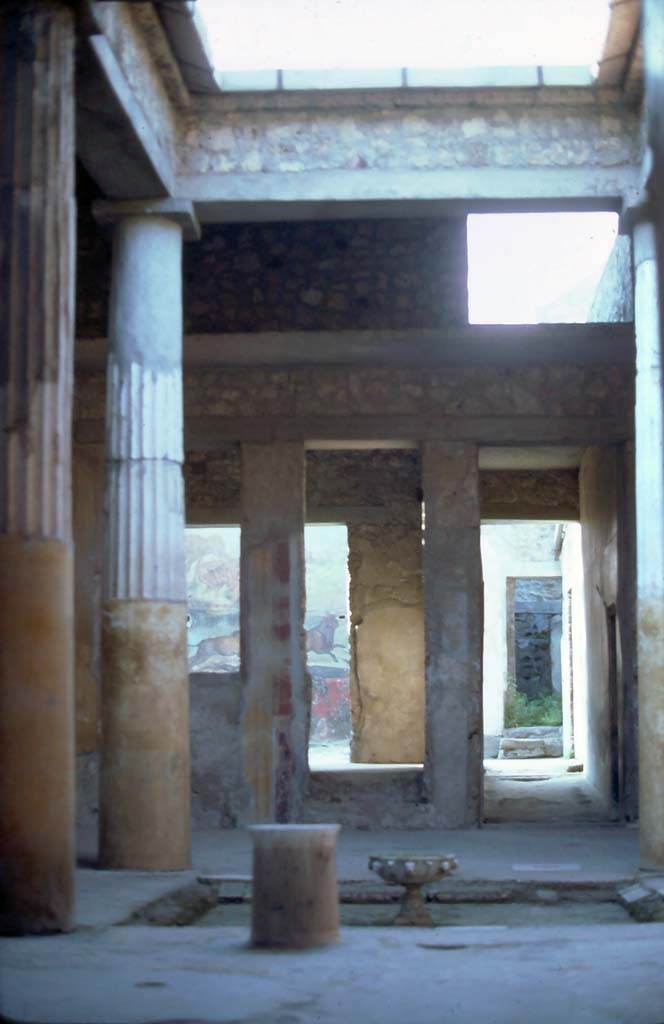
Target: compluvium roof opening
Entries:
(316, 34)
(530, 268)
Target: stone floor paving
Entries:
(480, 969)
(487, 975)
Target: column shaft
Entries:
(453, 615)
(36, 345)
(275, 712)
(144, 798)
(649, 429)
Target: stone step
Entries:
(528, 731)
(535, 746)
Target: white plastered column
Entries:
(37, 251)
(145, 786)
(649, 429)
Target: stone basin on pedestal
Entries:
(412, 871)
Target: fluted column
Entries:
(453, 616)
(649, 429)
(144, 798)
(36, 345)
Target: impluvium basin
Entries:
(413, 870)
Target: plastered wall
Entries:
(609, 570)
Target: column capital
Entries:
(645, 241)
(637, 209)
(637, 201)
(180, 211)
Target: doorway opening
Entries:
(327, 643)
(533, 700)
(534, 673)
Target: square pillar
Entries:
(453, 616)
(276, 688)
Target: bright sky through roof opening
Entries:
(529, 268)
(250, 35)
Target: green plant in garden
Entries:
(520, 710)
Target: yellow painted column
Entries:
(649, 429)
(37, 219)
(145, 777)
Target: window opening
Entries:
(212, 565)
(327, 643)
(536, 268)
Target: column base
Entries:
(37, 854)
(144, 783)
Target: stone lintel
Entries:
(295, 195)
(180, 211)
(470, 345)
(201, 433)
(115, 141)
(208, 433)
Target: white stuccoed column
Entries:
(144, 798)
(649, 429)
(37, 251)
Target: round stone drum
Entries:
(295, 902)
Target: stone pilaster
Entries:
(649, 430)
(144, 791)
(37, 219)
(453, 616)
(275, 710)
